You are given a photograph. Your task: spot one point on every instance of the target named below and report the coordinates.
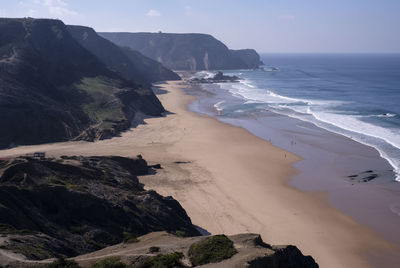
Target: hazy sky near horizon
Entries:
(311, 26)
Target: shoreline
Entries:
(230, 181)
(329, 162)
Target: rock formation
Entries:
(75, 205)
(131, 64)
(53, 89)
(160, 249)
(219, 77)
(186, 51)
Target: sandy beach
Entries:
(230, 181)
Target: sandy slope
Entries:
(233, 182)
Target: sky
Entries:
(269, 26)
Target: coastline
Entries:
(230, 181)
(332, 163)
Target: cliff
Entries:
(249, 56)
(128, 63)
(95, 210)
(160, 249)
(73, 205)
(53, 89)
(184, 51)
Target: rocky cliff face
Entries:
(74, 205)
(184, 51)
(160, 249)
(52, 89)
(249, 56)
(130, 64)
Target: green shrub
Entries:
(62, 263)
(8, 229)
(164, 261)
(154, 249)
(129, 238)
(110, 262)
(77, 230)
(212, 249)
(31, 252)
(180, 233)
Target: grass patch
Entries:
(55, 180)
(3, 163)
(58, 181)
(93, 243)
(105, 107)
(8, 229)
(180, 233)
(60, 263)
(154, 249)
(164, 261)
(110, 262)
(129, 238)
(77, 230)
(32, 252)
(212, 249)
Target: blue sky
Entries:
(266, 25)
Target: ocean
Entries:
(354, 95)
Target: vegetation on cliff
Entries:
(74, 205)
(130, 64)
(212, 249)
(53, 89)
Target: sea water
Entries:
(355, 95)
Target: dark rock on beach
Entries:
(368, 178)
(219, 77)
(365, 176)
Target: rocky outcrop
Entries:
(249, 56)
(219, 77)
(131, 64)
(74, 205)
(186, 51)
(53, 89)
(161, 249)
(95, 208)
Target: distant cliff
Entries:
(249, 56)
(53, 89)
(132, 65)
(186, 51)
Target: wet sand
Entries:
(230, 181)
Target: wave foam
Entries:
(322, 114)
(218, 106)
(386, 115)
